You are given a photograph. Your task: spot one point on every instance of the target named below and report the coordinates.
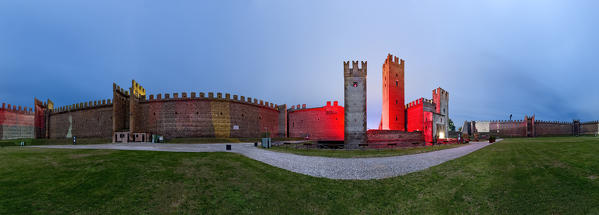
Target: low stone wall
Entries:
(381, 138)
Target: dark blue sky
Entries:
(494, 57)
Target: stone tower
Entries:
(441, 100)
(393, 114)
(355, 103)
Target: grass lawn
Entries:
(514, 176)
(342, 153)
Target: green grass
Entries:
(222, 140)
(62, 141)
(514, 176)
(360, 153)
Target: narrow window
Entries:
(396, 83)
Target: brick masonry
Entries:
(381, 138)
(207, 117)
(355, 103)
(16, 122)
(320, 123)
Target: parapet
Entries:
(16, 109)
(420, 101)
(355, 70)
(393, 60)
(82, 105)
(440, 91)
(116, 88)
(211, 95)
(137, 89)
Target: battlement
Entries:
(304, 107)
(355, 70)
(82, 106)
(420, 101)
(540, 122)
(502, 121)
(137, 90)
(211, 96)
(116, 88)
(590, 122)
(440, 91)
(16, 109)
(393, 60)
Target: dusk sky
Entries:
(494, 57)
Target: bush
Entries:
(491, 139)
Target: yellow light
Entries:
(442, 135)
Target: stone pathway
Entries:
(334, 168)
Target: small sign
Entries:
(236, 127)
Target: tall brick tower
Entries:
(393, 114)
(355, 103)
(441, 100)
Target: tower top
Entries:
(393, 60)
(355, 70)
(440, 91)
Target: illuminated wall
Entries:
(16, 122)
(419, 116)
(321, 123)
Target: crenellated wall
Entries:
(535, 128)
(553, 128)
(16, 122)
(505, 128)
(321, 123)
(589, 128)
(193, 115)
(91, 119)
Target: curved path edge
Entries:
(326, 167)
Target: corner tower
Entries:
(355, 103)
(393, 114)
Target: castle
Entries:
(132, 115)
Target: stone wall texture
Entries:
(381, 138)
(322, 123)
(206, 117)
(84, 122)
(590, 128)
(16, 122)
(553, 128)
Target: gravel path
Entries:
(334, 168)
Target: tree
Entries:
(451, 126)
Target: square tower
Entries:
(393, 114)
(355, 104)
(441, 100)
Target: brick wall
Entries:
(513, 128)
(543, 128)
(207, 117)
(380, 138)
(89, 122)
(589, 128)
(16, 122)
(322, 123)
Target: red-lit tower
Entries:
(393, 115)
